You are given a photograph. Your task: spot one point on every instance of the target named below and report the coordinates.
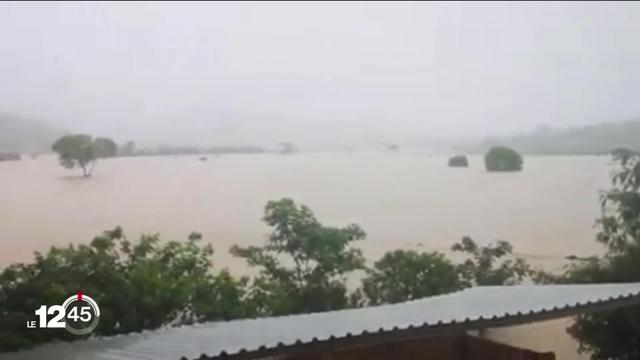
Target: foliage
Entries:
(303, 265)
(139, 285)
(620, 220)
(622, 154)
(490, 265)
(614, 334)
(75, 150)
(458, 161)
(402, 275)
(80, 150)
(105, 147)
(500, 158)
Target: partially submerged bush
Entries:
(500, 158)
(458, 161)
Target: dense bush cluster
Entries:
(500, 158)
(458, 161)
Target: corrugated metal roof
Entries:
(470, 306)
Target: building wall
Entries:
(542, 336)
(428, 348)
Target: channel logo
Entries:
(79, 314)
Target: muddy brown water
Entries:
(402, 200)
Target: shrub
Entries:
(500, 158)
(458, 161)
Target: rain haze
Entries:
(322, 75)
(183, 162)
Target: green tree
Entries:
(304, 265)
(491, 265)
(403, 275)
(139, 285)
(614, 334)
(80, 150)
(76, 151)
(500, 158)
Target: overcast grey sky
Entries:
(318, 73)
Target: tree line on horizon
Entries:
(83, 151)
(27, 135)
(598, 139)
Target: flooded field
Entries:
(402, 200)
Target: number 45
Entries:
(84, 316)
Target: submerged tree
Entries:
(80, 150)
(304, 264)
(105, 147)
(501, 158)
(287, 148)
(458, 161)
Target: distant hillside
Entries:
(25, 135)
(593, 139)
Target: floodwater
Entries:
(401, 199)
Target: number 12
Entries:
(56, 321)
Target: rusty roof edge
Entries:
(412, 331)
